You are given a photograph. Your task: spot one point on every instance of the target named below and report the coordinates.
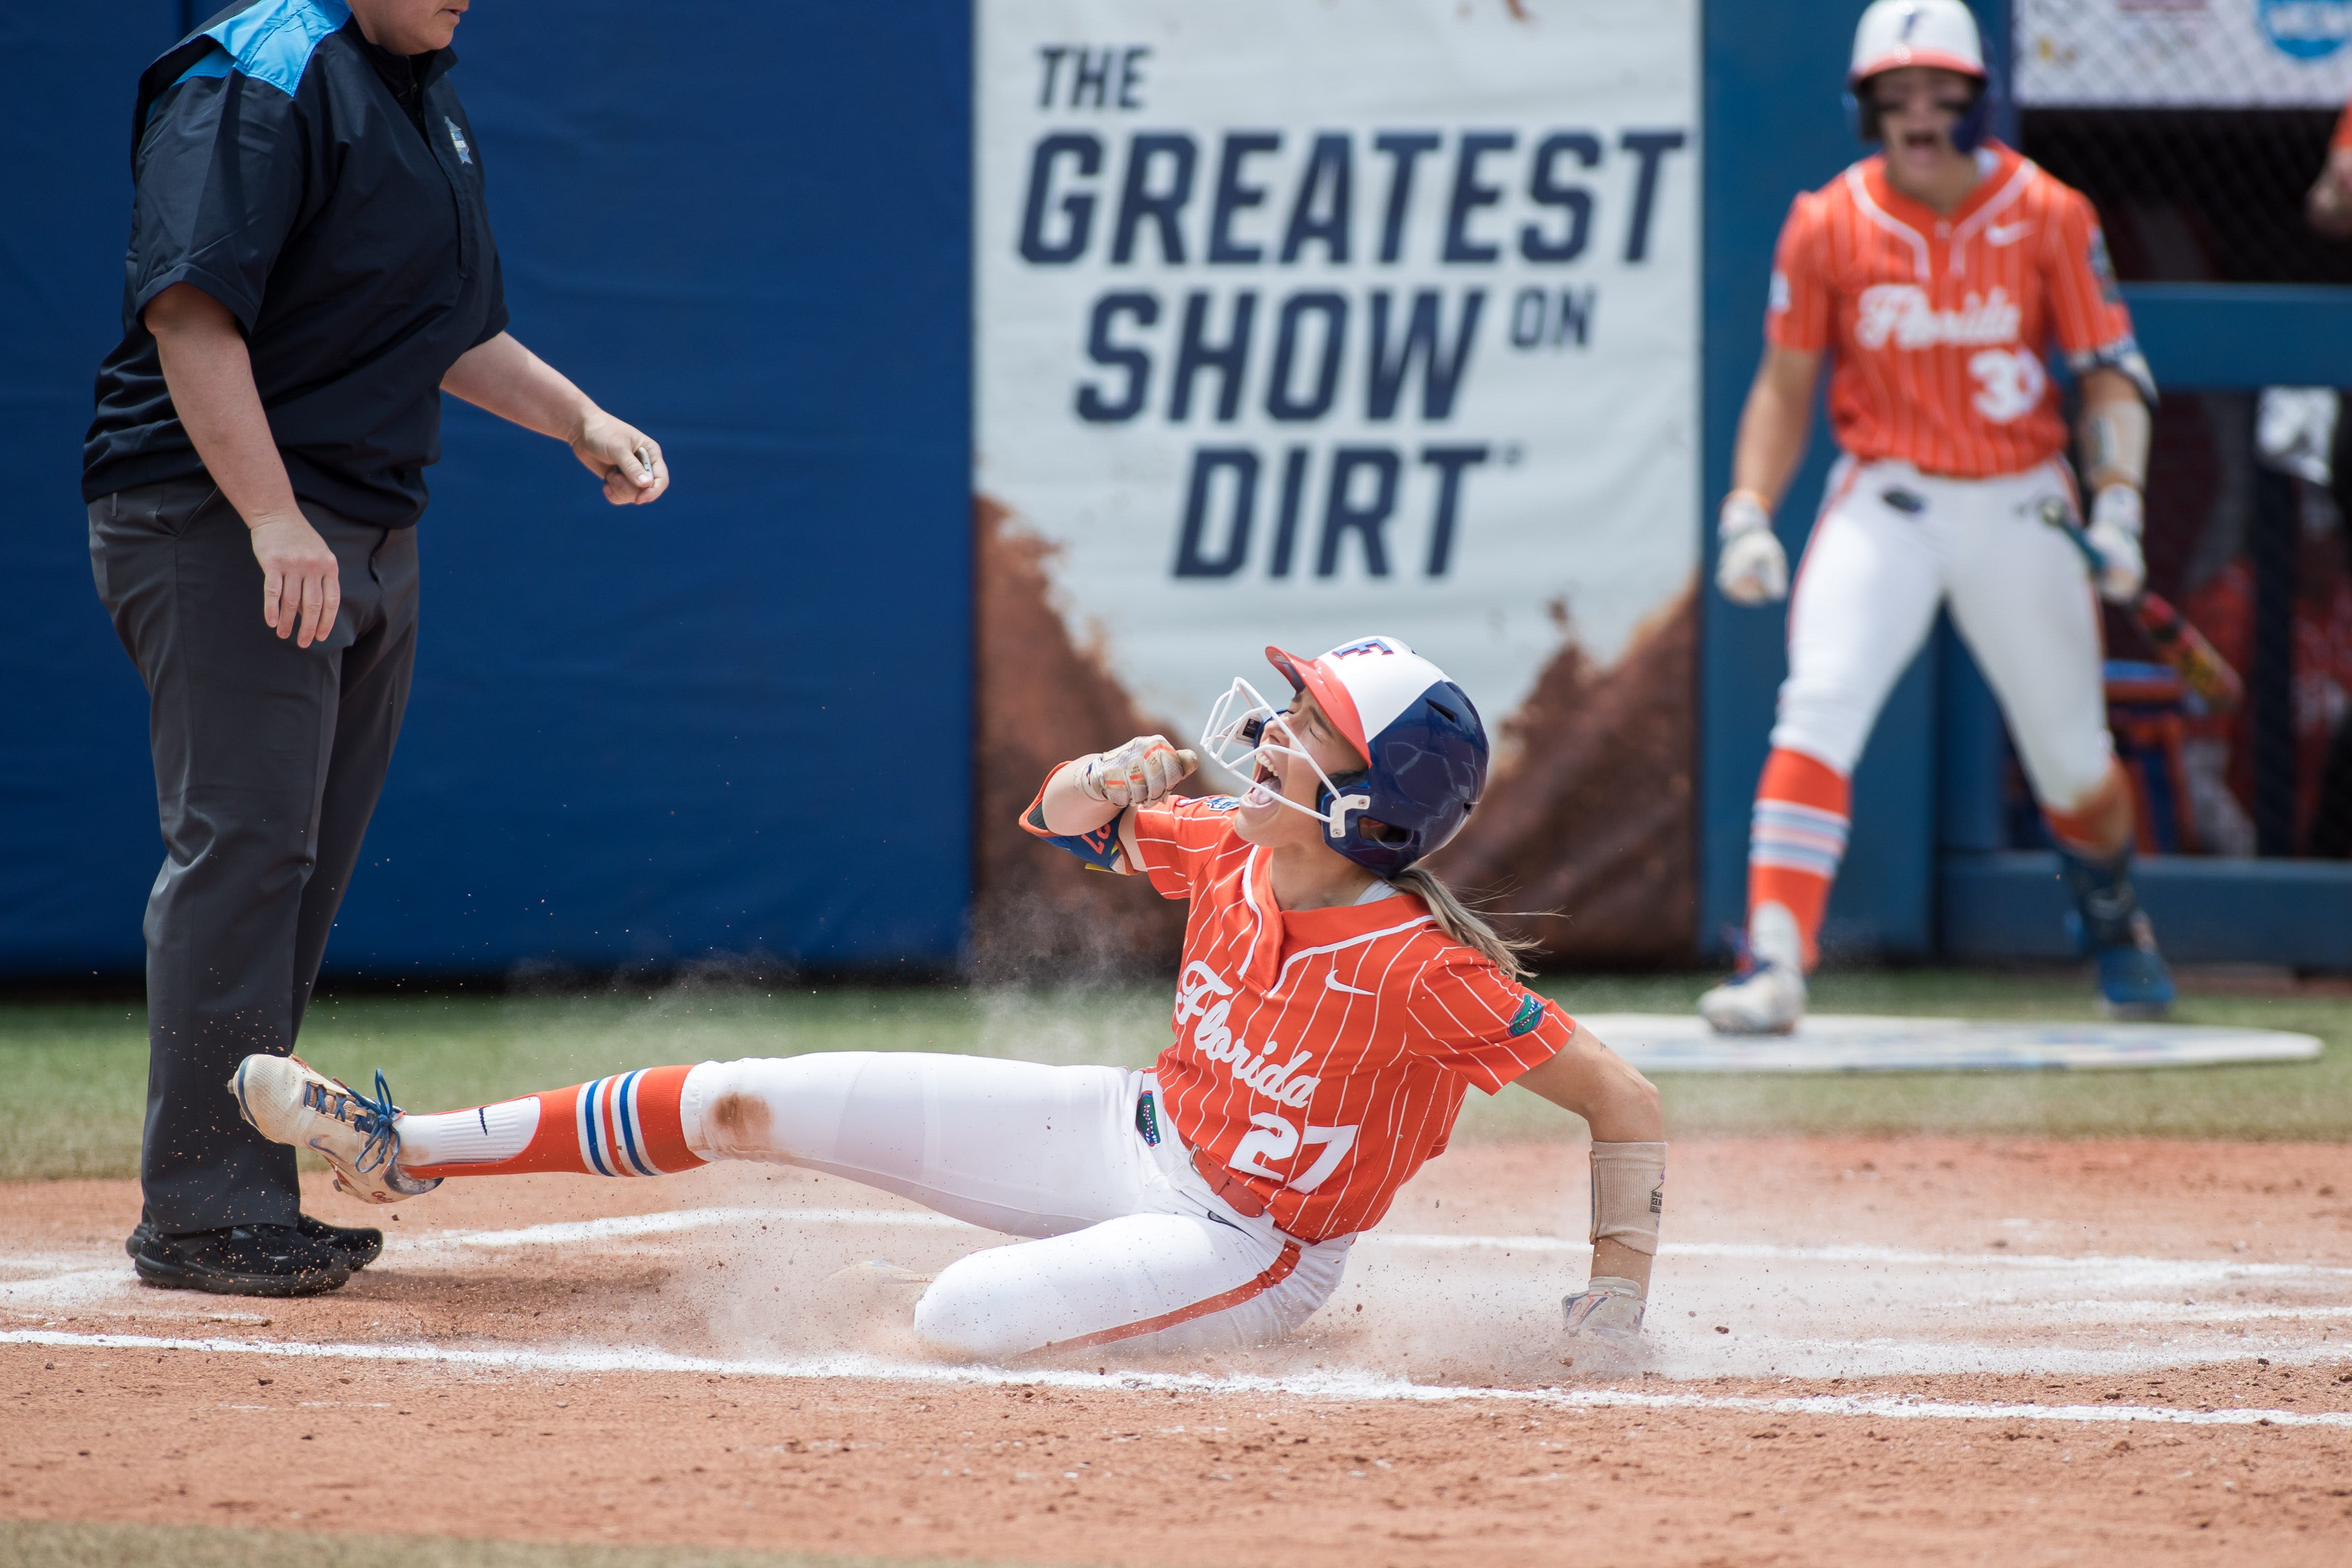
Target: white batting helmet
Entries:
(1893, 33)
(1938, 33)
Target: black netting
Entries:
(2196, 195)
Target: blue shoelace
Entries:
(376, 1122)
(1744, 960)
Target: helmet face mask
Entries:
(1245, 729)
(1969, 103)
(1424, 746)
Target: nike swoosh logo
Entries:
(1331, 982)
(2007, 233)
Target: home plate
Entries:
(1858, 1042)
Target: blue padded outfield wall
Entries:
(740, 721)
(636, 735)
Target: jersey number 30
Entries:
(1273, 1138)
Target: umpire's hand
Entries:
(627, 459)
(300, 577)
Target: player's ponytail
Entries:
(1464, 925)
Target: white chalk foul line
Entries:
(1318, 1385)
(2188, 1270)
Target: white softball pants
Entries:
(1867, 595)
(1130, 1245)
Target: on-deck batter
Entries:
(1932, 276)
(1335, 1004)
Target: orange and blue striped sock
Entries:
(1803, 808)
(626, 1125)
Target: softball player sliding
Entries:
(1932, 275)
(1336, 1002)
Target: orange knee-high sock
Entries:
(627, 1125)
(2098, 826)
(1798, 836)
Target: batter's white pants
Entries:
(1130, 1244)
(1868, 591)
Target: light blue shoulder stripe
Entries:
(214, 64)
(272, 42)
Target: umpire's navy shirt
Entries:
(330, 195)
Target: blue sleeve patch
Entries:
(1222, 802)
(1531, 1014)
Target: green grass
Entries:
(76, 1072)
(163, 1546)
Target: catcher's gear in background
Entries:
(1751, 569)
(1135, 774)
(1424, 744)
(1939, 33)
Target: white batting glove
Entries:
(1135, 774)
(1752, 568)
(2115, 533)
(1608, 1310)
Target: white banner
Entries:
(1300, 320)
(2184, 54)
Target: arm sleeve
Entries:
(1473, 1021)
(1797, 313)
(2086, 307)
(221, 171)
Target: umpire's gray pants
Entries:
(268, 759)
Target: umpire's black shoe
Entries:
(361, 1245)
(242, 1260)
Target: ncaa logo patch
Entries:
(2307, 29)
(457, 141)
(1531, 1014)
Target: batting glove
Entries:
(1752, 568)
(1135, 774)
(2115, 534)
(1608, 1310)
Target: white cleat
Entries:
(1610, 1317)
(1768, 995)
(1768, 1000)
(288, 1101)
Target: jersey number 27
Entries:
(1274, 1138)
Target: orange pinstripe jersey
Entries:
(1937, 326)
(1321, 1054)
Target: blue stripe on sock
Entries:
(595, 1139)
(625, 1106)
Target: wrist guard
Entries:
(1629, 1191)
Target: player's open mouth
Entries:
(1263, 789)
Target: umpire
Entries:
(310, 267)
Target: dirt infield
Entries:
(1865, 1350)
